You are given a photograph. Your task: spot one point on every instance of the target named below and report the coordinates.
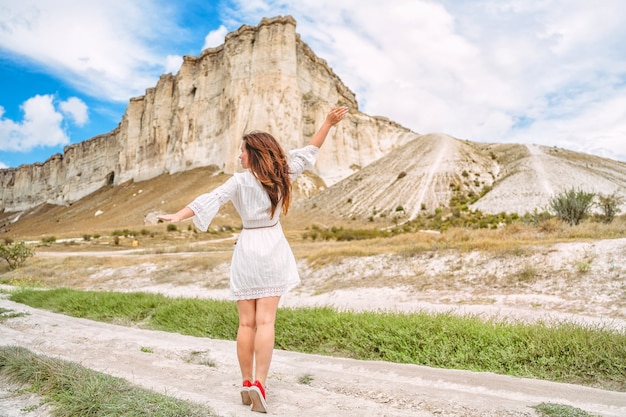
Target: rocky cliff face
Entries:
(261, 78)
(82, 169)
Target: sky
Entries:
(546, 72)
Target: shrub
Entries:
(609, 205)
(346, 235)
(16, 254)
(125, 233)
(572, 205)
(48, 239)
(536, 218)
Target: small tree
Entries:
(15, 254)
(572, 205)
(609, 204)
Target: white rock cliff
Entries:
(261, 78)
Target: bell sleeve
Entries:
(206, 206)
(302, 159)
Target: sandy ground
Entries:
(177, 365)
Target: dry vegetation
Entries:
(521, 270)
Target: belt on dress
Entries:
(261, 227)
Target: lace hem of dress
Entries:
(254, 293)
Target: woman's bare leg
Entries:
(255, 336)
(245, 337)
(264, 339)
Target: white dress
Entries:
(263, 264)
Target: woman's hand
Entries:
(336, 114)
(177, 217)
(172, 218)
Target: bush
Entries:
(16, 254)
(125, 233)
(572, 206)
(536, 218)
(609, 205)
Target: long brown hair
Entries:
(268, 163)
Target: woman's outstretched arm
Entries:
(335, 115)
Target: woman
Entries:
(263, 267)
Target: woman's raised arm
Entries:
(335, 115)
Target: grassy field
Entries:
(562, 352)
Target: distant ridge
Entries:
(530, 175)
(425, 173)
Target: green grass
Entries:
(9, 314)
(562, 352)
(76, 391)
(559, 410)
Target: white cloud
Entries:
(598, 128)
(76, 109)
(215, 37)
(3, 165)
(474, 69)
(173, 63)
(106, 49)
(41, 126)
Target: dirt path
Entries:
(536, 156)
(443, 150)
(338, 387)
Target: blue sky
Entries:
(549, 72)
